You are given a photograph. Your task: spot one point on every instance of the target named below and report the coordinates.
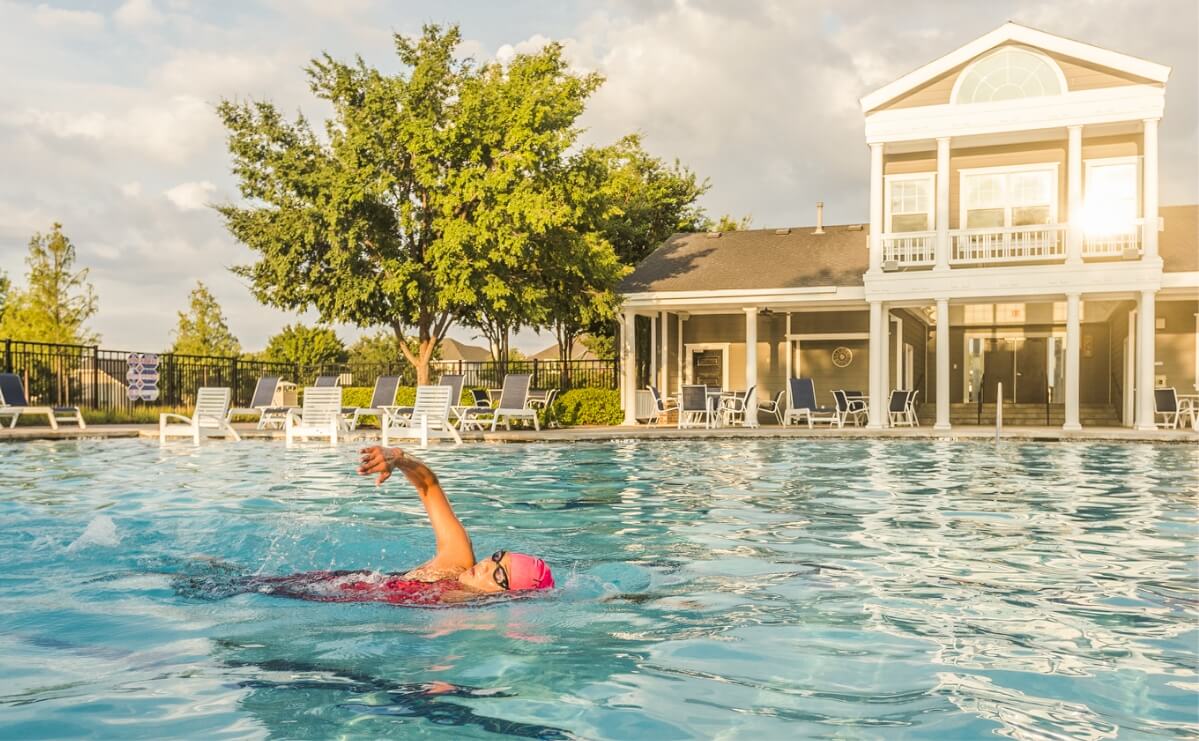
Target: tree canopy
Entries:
(449, 192)
(308, 346)
(202, 329)
(57, 299)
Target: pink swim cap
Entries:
(528, 572)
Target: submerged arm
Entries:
(454, 550)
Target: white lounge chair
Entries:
(262, 404)
(774, 406)
(514, 402)
(899, 408)
(430, 418)
(383, 399)
(13, 403)
(734, 409)
(1165, 408)
(210, 418)
(662, 407)
(319, 417)
(326, 381)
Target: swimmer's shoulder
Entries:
(428, 573)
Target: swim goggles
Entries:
(500, 574)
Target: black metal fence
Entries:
(94, 378)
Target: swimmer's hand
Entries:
(379, 460)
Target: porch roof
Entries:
(754, 259)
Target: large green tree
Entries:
(424, 198)
(202, 329)
(381, 349)
(57, 299)
(307, 346)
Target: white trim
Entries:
(1013, 32)
(694, 301)
(829, 336)
(723, 292)
(1054, 206)
(930, 178)
(1187, 280)
(692, 347)
(678, 386)
(898, 335)
(1122, 104)
(957, 83)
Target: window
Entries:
(1110, 196)
(1009, 73)
(909, 203)
(997, 199)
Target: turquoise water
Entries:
(749, 589)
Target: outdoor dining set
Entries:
(437, 411)
(697, 405)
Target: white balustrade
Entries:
(1114, 244)
(1043, 242)
(910, 249)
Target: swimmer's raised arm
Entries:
(454, 549)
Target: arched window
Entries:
(1009, 73)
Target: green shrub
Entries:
(589, 407)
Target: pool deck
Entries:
(642, 432)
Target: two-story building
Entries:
(1015, 241)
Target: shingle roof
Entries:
(757, 258)
(1178, 244)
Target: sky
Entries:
(108, 123)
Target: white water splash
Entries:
(99, 532)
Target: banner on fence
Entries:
(142, 376)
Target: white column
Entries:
(1130, 372)
(653, 348)
(874, 351)
(884, 357)
(678, 385)
(628, 363)
(1074, 232)
(751, 365)
(943, 246)
(942, 365)
(1146, 337)
(1150, 175)
(1073, 351)
(876, 208)
(664, 384)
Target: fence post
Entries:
(536, 385)
(233, 380)
(95, 376)
(8, 356)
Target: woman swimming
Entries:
(451, 576)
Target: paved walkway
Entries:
(642, 432)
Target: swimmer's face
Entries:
(487, 575)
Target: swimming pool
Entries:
(759, 589)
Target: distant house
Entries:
(578, 351)
(452, 349)
(1014, 246)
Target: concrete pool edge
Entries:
(607, 434)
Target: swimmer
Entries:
(453, 575)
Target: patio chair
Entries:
(1165, 407)
(912, 408)
(802, 404)
(897, 408)
(546, 404)
(514, 402)
(383, 398)
(210, 418)
(261, 404)
(734, 408)
(662, 407)
(472, 417)
(850, 405)
(774, 406)
(694, 407)
(13, 403)
(320, 415)
(430, 418)
(324, 382)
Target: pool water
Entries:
(748, 589)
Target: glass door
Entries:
(989, 362)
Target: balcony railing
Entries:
(1040, 243)
(909, 249)
(1117, 244)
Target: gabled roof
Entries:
(452, 349)
(754, 259)
(1014, 32)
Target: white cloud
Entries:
(132, 189)
(531, 45)
(136, 13)
(48, 16)
(191, 196)
(222, 73)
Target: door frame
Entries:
(1012, 334)
(689, 350)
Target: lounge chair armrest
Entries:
(162, 418)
